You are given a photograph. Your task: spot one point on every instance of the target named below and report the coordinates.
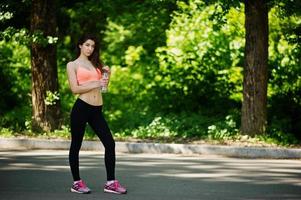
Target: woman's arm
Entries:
(79, 89)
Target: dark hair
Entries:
(94, 57)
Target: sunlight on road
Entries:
(209, 168)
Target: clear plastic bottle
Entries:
(104, 76)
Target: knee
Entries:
(110, 145)
(75, 147)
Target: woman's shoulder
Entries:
(71, 64)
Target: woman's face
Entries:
(87, 47)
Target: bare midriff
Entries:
(93, 97)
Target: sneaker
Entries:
(115, 188)
(80, 187)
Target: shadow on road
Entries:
(41, 174)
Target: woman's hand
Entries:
(104, 82)
(107, 68)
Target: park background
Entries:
(177, 68)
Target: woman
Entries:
(84, 76)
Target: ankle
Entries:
(110, 182)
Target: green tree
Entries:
(254, 105)
(45, 101)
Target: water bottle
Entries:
(104, 76)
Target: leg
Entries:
(101, 128)
(78, 123)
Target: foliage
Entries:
(125, 105)
(15, 119)
(135, 25)
(176, 67)
(181, 125)
(22, 36)
(14, 74)
(285, 81)
(51, 97)
(223, 129)
(199, 60)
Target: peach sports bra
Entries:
(84, 75)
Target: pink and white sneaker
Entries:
(80, 187)
(115, 188)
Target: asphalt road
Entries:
(44, 174)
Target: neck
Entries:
(83, 58)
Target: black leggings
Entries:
(82, 113)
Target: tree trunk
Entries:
(254, 105)
(43, 67)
